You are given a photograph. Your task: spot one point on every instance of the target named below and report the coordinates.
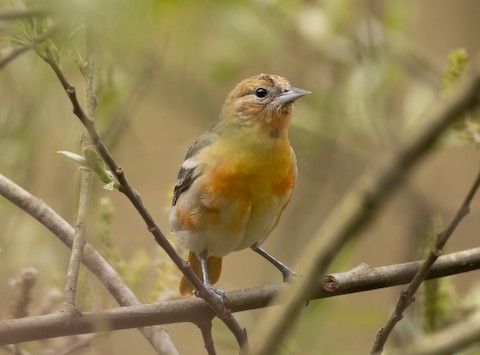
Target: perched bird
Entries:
(237, 178)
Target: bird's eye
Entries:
(260, 93)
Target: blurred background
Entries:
(163, 69)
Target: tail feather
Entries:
(214, 266)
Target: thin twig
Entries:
(20, 50)
(195, 310)
(206, 329)
(407, 296)
(39, 210)
(87, 70)
(216, 304)
(356, 210)
(79, 239)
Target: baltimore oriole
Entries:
(237, 178)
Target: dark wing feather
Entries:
(189, 172)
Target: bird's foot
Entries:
(219, 297)
(218, 293)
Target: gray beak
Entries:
(291, 95)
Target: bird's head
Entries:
(265, 100)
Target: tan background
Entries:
(360, 60)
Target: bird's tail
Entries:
(214, 266)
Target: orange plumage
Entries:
(237, 178)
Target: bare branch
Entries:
(356, 210)
(195, 310)
(214, 302)
(364, 277)
(91, 258)
(407, 296)
(206, 329)
(79, 239)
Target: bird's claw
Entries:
(218, 293)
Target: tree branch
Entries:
(195, 310)
(91, 258)
(79, 239)
(407, 296)
(206, 329)
(364, 277)
(216, 304)
(356, 210)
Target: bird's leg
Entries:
(204, 264)
(287, 273)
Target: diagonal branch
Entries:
(407, 296)
(195, 310)
(79, 239)
(216, 304)
(91, 258)
(357, 209)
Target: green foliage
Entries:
(468, 127)
(457, 66)
(92, 161)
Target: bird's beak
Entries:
(291, 95)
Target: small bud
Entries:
(92, 161)
(75, 157)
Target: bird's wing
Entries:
(190, 169)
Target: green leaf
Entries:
(92, 161)
(75, 157)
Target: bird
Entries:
(236, 179)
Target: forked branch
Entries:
(194, 310)
(407, 296)
(216, 304)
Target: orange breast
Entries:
(250, 178)
(244, 182)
